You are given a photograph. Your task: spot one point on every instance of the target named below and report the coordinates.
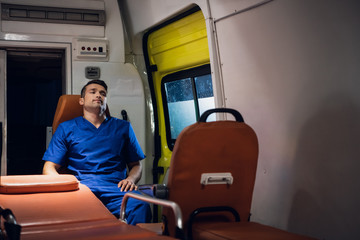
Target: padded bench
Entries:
(59, 207)
(242, 230)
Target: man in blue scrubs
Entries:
(98, 149)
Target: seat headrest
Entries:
(38, 183)
(68, 107)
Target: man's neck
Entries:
(95, 118)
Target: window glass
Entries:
(186, 95)
(180, 103)
(205, 95)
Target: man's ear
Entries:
(81, 101)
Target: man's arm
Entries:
(129, 183)
(51, 168)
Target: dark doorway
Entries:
(34, 84)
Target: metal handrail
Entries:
(166, 203)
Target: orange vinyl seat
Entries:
(68, 107)
(211, 179)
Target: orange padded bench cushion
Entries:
(38, 183)
(97, 230)
(71, 215)
(35, 209)
(242, 230)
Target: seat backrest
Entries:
(229, 147)
(68, 107)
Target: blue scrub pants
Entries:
(136, 211)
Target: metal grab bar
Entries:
(166, 203)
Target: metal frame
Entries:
(165, 203)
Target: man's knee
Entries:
(137, 211)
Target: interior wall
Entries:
(292, 68)
(126, 89)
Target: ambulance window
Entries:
(186, 95)
(180, 105)
(205, 94)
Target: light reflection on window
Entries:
(186, 100)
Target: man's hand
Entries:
(127, 185)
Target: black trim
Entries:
(209, 209)
(189, 73)
(124, 115)
(196, 99)
(157, 139)
(235, 113)
(12, 228)
(154, 68)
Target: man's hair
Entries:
(97, 81)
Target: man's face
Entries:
(95, 97)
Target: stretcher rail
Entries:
(165, 203)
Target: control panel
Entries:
(90, 49)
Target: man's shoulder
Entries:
(118, 121)
(70, 123)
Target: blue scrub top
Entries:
(95, 155)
